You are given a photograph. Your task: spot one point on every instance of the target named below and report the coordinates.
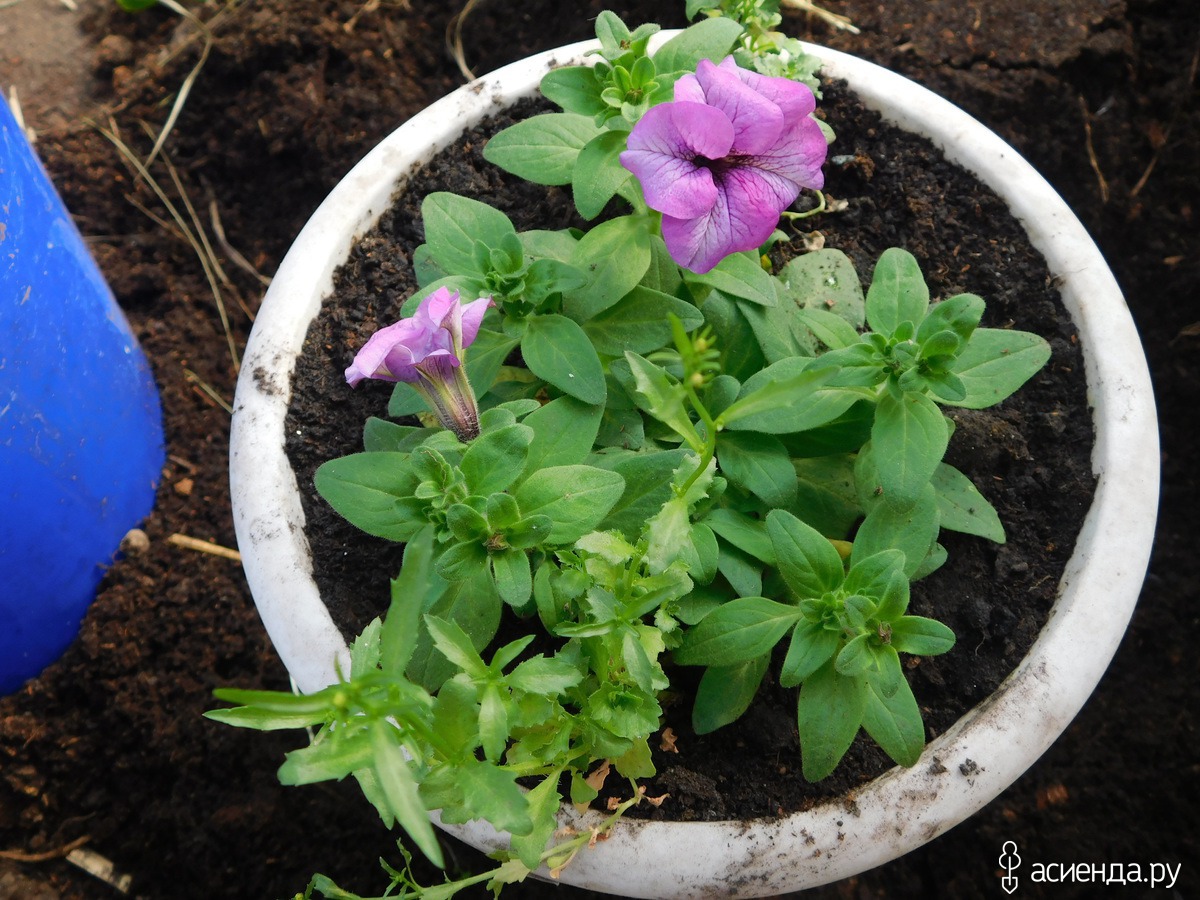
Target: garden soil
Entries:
(108, 746)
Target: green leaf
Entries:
(663, 399)
(331, 759)
(575, 88)
(544, 675)
(897, 294)
(872, 575)
(576, 498)
(491, 793)
(760, 464)
(709, 39)
(495, 459)
(398, 637)
(995, 363)
(807, 561)
(626, 712)
(786, 397)
(894, 723)
(564, 431)
(399, 788)
(702, 555)
(373, 492)
(741, 355)
(542, 801)
(474, 606)
(742, 571)
(461, 560)
(962, 508)
(855, 658)
(514, 579)
(778, 331)
(747, 534)
(829, 328)
(828, 715)
(825, 493)
(908, 441)
(736, 632)
(493, 722)
(615, 255)
(556, 350)
(921, 636)
(812, 646)
(647, 487)
(542, 149)
(456, 645)
(739, 275)
(452, 226)
(639, 322)
(959, 314)
(911, 531)
(382, 436)
(277, 716)
(824, 283)
(485, 357)
(725, 692)
(598, 173)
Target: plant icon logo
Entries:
(1009, 861)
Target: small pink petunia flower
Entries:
(722, 160)
(426, 351)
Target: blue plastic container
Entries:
(81, 441)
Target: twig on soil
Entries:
(208, 390)
(186, 87)
(191, 543)
(369, 7)
(840, 22)
(454, 39)
(1184, 95)
(45, 855)
(1091, 150)
(214, 219)
(198, 239)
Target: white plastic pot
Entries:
(903, 808)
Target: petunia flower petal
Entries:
(795, 100)
(666, 153)
(471, 316)
(757, 121)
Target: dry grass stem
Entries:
(235, 256)
(840, 22)
(454, 39)
(1091, 150)
(208, 390)
(45, 855)
(200, 244)
(1184, 95)
(191, 543)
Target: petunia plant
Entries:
(640, 448)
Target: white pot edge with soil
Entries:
(960, 771)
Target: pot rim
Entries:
(961, 770)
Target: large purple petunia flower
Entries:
(426, 351)
(724, 159)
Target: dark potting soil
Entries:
(1029, 456)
